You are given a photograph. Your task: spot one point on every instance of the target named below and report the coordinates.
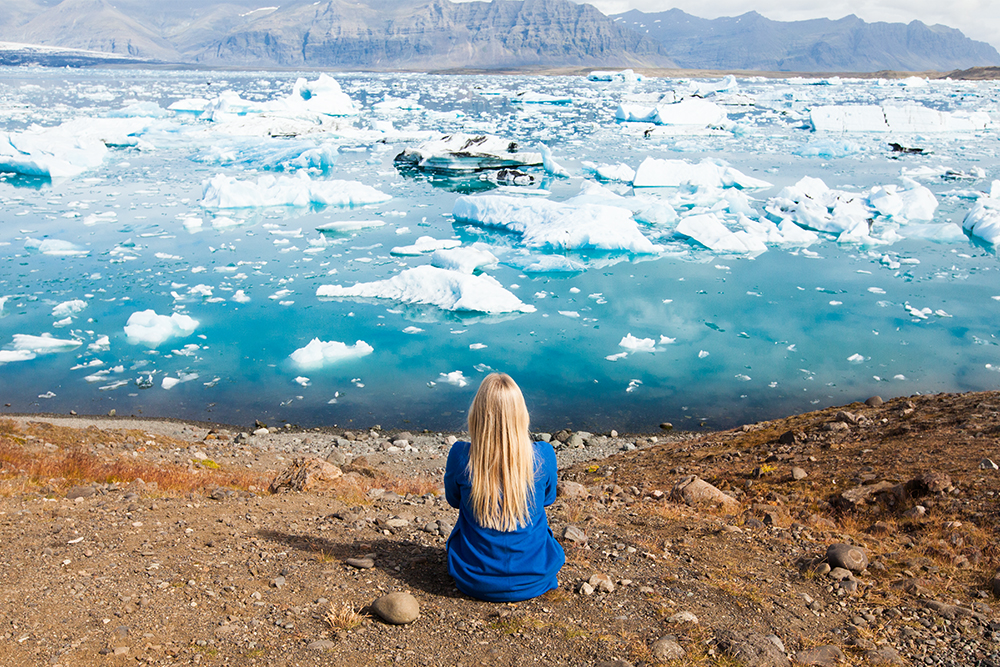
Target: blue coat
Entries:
(503, 566)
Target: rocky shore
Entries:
(866, 534)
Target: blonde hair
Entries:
(501, 457)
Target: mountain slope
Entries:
(753, 42)
(435, 34)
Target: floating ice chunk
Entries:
(66, 150)
(8, 356)
(322, 97)
(303, 381)
(708, 230)
(654, 172)
(465, 152)
(426, 244)
(616, 357)
(532, 97)
(702, 354)
(983, 220)
(911, 202)
(477, 346)
(645, 208)
(228, 192)
(633, 385)
(44, 344)
(464, 260)
(569, 313)
(910, 118)
(455, 377)
(546, 224)
(239, 296)
(919, 313)
(633, 344)
(549, 163)
(147, 328)
(318, 353)
(170, 382)
(69, 308)
(448, 290)
(102, 344)
(189, 104)
(812, 204)
(610, 172)
(624, 76)
(55, 247)
(396, 104)
(687, 113)
(412, 330)
(553, 264)
(856, 358)
(349, 225)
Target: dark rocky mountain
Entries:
(753, 42)
(439, 34)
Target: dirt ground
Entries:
(159, 543)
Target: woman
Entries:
(502, 549)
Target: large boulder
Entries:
(695, 491)
(306, 474)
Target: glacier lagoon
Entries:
(232, 246)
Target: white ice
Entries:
(983, 220)
(456, 378)
(448, 290)
(610, 172)
(624, 76)
(465, 153)
(654, 172)
(55, 247)
(910, 118)
(146, 327)
(300, 191)
(542, 223)
(709, 230)
(43, 344)
(464, 260)
(687, 114)
(318, 353)
(349, 225)
(69, 308)
(425, 244)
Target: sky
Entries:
(978, 19)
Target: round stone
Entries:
(847, 556)
(665, 649)
(397, 608)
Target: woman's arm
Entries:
(452, 473)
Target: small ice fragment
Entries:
(632, 386)
(239, 296)
(477, 346)
(633, 344)
(169, 382)
(68, 308)
(456, 378)
(304, 381)
(665, 340)
(899, 377)
(742, 378)
(702, 354)
(47, 394)
(836, 303)
(412, 330)
(616, 357)
(876, 290)
(148, 328)
(43, 344)
(855, 358)
(320, 353)
(350, 225)
(569, 313)
(549, 163)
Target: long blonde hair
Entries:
(501, 457)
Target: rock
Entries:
(613, 663)
(913, 586)
(120, 650)
(278, 582)
(839, 574)
(321, 645)
(80, 492)
(261, 431)
(695, 491)
(834, 426)
(397, 608)
(667, 426)
(306, 474)
(987, 464)
(847, 556)
(847, 417)
(936, 482)
(751, 650)
(799, 474)
(874, 401)
(821, 656)
(776, 640)
(575, 535)
(915, 512)
(575, 441)
(586, 588)
(788, 438)
(884, 655)
(601, 582)
(995, 584)
(822, 568)
(364, 563)
(665, 649)
(397, 522)
(571, 490)
(683, 617)
(860, 495)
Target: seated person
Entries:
(502, 549)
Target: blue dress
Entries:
(503, 566)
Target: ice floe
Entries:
(148, 328)
(224, 191)
(688, 116)
(44, 344)
(448, 290)
(542, 223)
(464, 260)
(467, 153)
(655, 172)
(983, 220)
(318, 353)
(425, 244)
(624, 76)
(911, 118)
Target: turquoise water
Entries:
(754, 338)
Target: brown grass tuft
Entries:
(343, 618)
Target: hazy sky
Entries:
(978, 19)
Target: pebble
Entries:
(874, 402)
(683, 617)
(821, 656)
(915, 512)
(278, 582)
(839, 574)
(575, 535)
(261, 431)
(602, 582)
(799, 473)
(321, 645)
(987, 464)
(397, 608)
(665, 648)
(364, 563)
(586, 588)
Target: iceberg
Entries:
(542, 223)
(654, 172)
(610, 172)
(467, 153)
(147, 328)
(429, 285)
(8, 356)
(708, 230)
(910, 118)
(320, 353)
(43, 344)
(647, 209)
(531, 97)
(344, 226)
(983, 220)
(688, 115)
(68, 308)
(425, 244)
(322, 97)
(624, 76)
(55, 247)
(911, 202)
(812, 204)
(299, 191)
(464, 260)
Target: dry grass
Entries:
(26, 468)
(343, 618)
